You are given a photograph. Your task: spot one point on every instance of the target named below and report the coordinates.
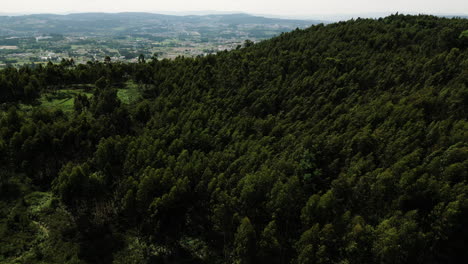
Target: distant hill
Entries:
(123, 23)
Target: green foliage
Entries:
(244, 242)
(101, 83)
(269, 246)
(343, 143)
(105, 101)
(37, 229)
(464, 34)
(130, 94)
(72, 183)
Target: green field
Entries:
(64, 99)
(129, 94)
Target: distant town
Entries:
(36, 39)
(43, 49)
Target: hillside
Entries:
(344, 143)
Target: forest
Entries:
(340, 143)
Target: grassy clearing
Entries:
(464, 34)
(59, 100)
(129, 94)
(64, 99)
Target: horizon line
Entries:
(214, 12)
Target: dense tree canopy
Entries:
(344, 143)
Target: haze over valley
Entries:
(124, 36)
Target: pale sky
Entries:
(273, 7)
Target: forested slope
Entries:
(344, 143)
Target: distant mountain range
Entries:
(131, 23)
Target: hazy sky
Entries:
(275, 7)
